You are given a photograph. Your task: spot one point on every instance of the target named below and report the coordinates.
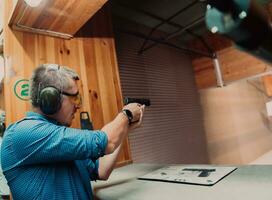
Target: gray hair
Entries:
(50, 75)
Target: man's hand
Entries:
(117, 129)
(136, 110)
(138, 123)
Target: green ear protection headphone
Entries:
(49, 100)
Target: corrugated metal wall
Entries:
(172, 131)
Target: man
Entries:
(4, 189)
(42, 158)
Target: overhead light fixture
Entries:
(33, 3)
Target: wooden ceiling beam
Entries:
(60, 18)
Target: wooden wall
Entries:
(55, 18)
(235, 65)
(2, 102)
(92, 55)
(237, 128)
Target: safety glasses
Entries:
(74, 98)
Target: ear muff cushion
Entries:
(50, 100)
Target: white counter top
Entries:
(250, 182)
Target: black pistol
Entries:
(145, 102)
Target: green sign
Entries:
(21, 89)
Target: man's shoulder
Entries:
(24, 121)
(25, 125)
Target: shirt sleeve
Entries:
(92, 168)
(44, 142)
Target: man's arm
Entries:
(117, 129)
(38, 141)
(107, 163)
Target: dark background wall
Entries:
(172, 131)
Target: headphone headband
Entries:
(49, 98)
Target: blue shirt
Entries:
(43, 160)
(4, 188)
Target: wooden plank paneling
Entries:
(100, 51)
(267, 80)
(93, 57)
(54, 17)
(234, 64)
(2, 101)
(216, 43)
(236, 128)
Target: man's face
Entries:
(70, 104)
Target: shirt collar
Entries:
(36, 115)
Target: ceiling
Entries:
(151, 13)
(183, 20)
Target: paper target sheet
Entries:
(191, 174)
